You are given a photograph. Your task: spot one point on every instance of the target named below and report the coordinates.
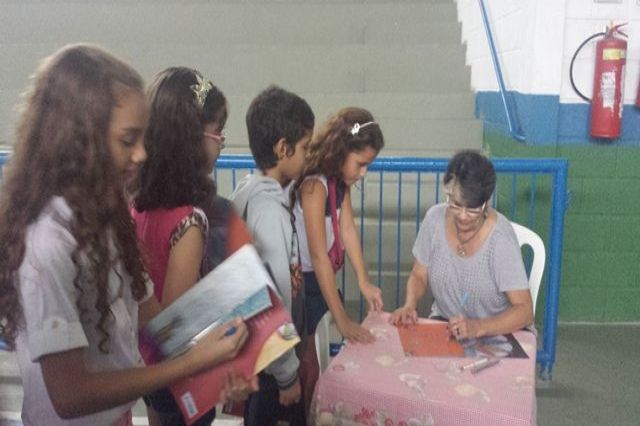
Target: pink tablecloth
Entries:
(377, 385)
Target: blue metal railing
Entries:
(426, 174)
(514, 126)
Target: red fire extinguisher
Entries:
(608, 83)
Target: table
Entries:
(377, 384)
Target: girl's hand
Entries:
(404, 316)
(463, 328)
(354, 332)
(373, 296)
(237, 388)
(221, 344)
(291, 395)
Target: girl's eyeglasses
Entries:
(457, 209)
(218, 138)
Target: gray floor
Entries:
(596, 379)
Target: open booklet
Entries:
(239, 287)
(433, 339)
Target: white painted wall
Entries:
(537, 38)
(583, 18)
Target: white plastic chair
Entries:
(527, 237)
(322, 341)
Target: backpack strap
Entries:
(336, 251)
(331, 186)
(218, 211)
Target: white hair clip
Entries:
(357, 126)
(201, 90)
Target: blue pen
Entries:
(463, 302)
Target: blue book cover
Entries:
(238, 287)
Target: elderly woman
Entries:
(469, 255)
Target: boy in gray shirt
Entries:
(280, 125)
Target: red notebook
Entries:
(429, 339)
(239, 287)
(198, 394)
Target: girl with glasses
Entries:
(184, 228)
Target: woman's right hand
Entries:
(220, 345)
(403, 316)
(354, 332)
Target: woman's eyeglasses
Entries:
(472, 212)
(218, 138)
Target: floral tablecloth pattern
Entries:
(377, 384)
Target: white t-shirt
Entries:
(305, 256)
(48, 297)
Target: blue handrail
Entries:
(514, 126)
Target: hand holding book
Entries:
(206, 322)
(219, 345)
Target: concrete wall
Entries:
(334, 53)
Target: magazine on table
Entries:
(239, 287)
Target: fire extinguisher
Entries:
(608, 82)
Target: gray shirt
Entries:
(495, 268)
(262, 203)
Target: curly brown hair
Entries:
(332, 144)
(62, 150)
(176, 172)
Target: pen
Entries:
(489, 363)
(463, 302)
(479, 362)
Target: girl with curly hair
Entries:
(73, 289)
(338, 157)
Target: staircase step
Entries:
(222, 22)
(417, 106)
(247, 69)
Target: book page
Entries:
(232, 289)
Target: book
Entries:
(429, 339)
(433, 339)
(239, 287)
(222, 294)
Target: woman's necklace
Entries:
(460, 249)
